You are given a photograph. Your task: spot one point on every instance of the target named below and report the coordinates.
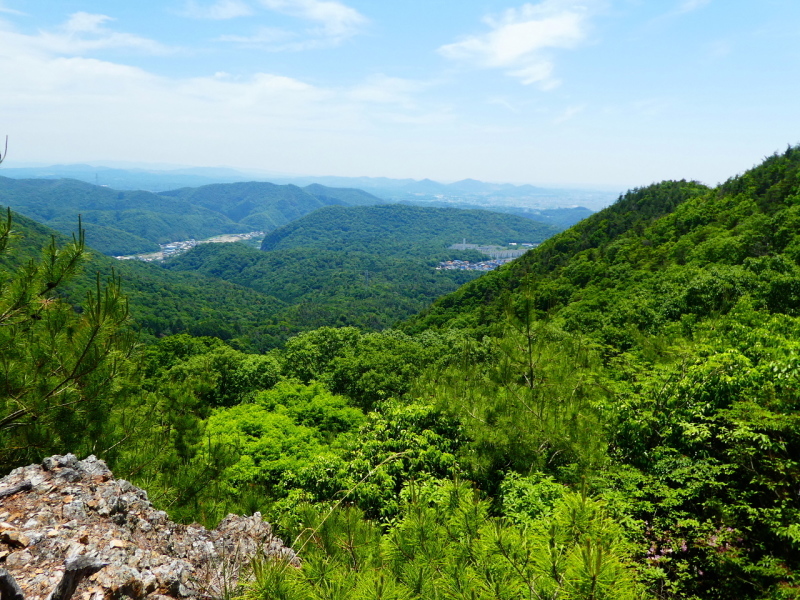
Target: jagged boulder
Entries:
(67, 508)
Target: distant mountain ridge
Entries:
(266, 206)
(465, 191)
(131, 179)
(129, 222)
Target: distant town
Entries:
(465, 265)
(174, 248)
(500, 255)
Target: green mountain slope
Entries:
(348, 196)
(323, 287)
(406, 229)
(266, 206)
(164, 303)
(363, 266)
(481, 302)
(653, 348)
(111, 240)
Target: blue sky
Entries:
(592, 92)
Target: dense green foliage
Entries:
(484, 300)
(60, 369)
(615, 415)
(109, 239)
(130, 222)
(358, 266)
(398, 228)
(446, 544)
(320, 287)
(163, 303)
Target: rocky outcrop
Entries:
(67, 508)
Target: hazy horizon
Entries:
(558, 93)
(167, 168)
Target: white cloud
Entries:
(333, 22)
(271, 38)
(218, 11)
(336, 20)
(63, 105)
(381, 89)
(82, 22)
(519, 39)
(82, 33)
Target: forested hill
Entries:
(266, 206)
(361, 266)
(406, 229)
(680, 246)
(115, 222)
(255, 300)
(666, 328)
(129, 222)
(161, 303)
(483, 302)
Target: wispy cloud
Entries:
(719, 49)
(569, 113)
(504, 102)
(329, 23)
(9, 11)
(218, 11)
(335, 20)
(382, 89)
(518, 40)
(272, 38)
(687, 6)
(86, 32)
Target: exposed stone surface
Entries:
(76, 508)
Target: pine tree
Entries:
(60, 365)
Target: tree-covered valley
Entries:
(368, 266)
(612, 415)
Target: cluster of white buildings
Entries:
(173, 248)
(465, 265)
